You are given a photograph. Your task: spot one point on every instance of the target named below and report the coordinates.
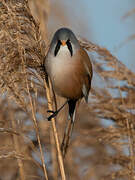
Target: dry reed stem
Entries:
(54, 156)
(17, 149)
(42, 15)
(131, 145)
(37, 131)
(5, 130)
(21, 53)
(60, 158)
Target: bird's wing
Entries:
(88, 73)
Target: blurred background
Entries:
(103, 22)
(102, 146)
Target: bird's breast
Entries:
(65, 80)
(70, 75)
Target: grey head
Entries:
(64, 36)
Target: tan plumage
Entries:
(70, 70)
(69, 82)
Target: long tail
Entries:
(69, 127)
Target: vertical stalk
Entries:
(60, 158)
(18, 151)
(37, 131)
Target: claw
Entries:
(54, 113)
(50, 111)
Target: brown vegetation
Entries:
(27, 143)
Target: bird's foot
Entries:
(54, 113)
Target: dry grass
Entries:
(28, 150)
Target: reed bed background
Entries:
(27, 144)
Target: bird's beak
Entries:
(63, 43)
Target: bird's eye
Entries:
(69, 47)
(57, 47)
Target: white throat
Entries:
(63, 53)
(61, 62)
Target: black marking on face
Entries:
(69, 47)
(57, 48)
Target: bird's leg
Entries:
(67, 136)
(65, 133)
(69, 127)
(54, 113)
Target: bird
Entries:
(69, 69)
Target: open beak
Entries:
(63, 43)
